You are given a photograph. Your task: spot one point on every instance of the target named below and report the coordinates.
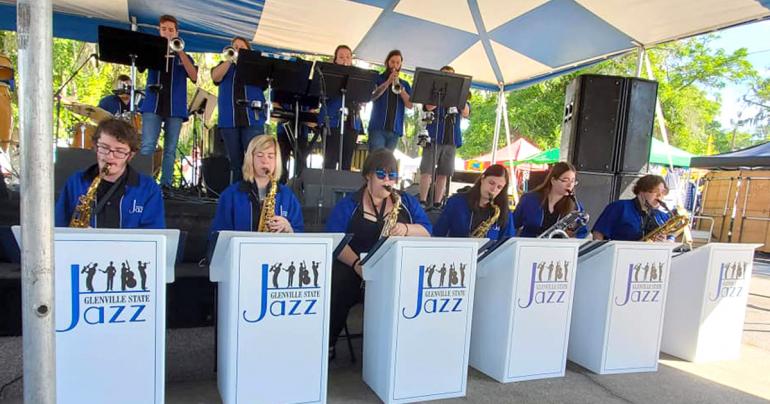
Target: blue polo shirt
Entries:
(235, 210)
(380, 108)
(457, 218)
(113, 104)
(170, 99)
(622, 220)
(231, 90)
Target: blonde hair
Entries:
(261, 143)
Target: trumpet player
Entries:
(124, 199)
(242, 107)
(165, 100)
(541, 208)
(631, 219)
(466, 211)
(390, 99)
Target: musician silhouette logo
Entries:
(547, 284)
(643, 283)
(451, 275)
(730, 282)
(283, 275)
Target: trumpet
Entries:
(230, 54)
(176, 45)
(396, 87)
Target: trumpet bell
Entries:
(229, 54)
(176, 44)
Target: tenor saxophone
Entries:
(392, 219)
(268, 206)
(483, 227)
(81, 217)
(678, 223)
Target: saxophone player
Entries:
(631, 219)
(541, 208)
(124, 198)
(465, 212)
(364, 214)
(240, 205)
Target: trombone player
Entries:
(241, 107)
(165, 100)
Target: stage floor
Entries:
(191, 377)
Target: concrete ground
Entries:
(191, 379)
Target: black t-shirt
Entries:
(478, 215)
(109, 216)
(256, 195)
(649, 224)
(390, 117)
(365, 232)
(549, 219)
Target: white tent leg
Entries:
(640, 61)
(34, 26)
(659, 113)
(514, 183)
(496, 137)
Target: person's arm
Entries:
(218, 73)
(598, 235)
(350, 258)
(189, 66)
(385, 85)
(466, 112)
(405, 90)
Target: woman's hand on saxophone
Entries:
(400, 229)
(279, 224)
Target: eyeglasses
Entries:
(381, 174)
(568, 181)
(104, 150)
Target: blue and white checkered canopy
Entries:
(498, 42)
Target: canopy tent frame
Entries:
(35, 33)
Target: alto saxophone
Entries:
(268, 206)
(392, 219)
(81, 217)
(483, 227)
(678, 223)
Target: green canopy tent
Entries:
(658, 155)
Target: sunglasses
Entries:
(381, 174)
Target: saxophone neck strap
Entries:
(378, 213)
(106, 198)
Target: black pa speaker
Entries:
(216, 173)
(608, 123)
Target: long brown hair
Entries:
(501, 200)
(565, 205)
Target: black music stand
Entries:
(272, 74)
(131, 48)
(354, 84)
(444, 90)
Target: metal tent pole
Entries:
(34, 26)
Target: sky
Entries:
(754, 37)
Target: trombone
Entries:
(230, 54)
